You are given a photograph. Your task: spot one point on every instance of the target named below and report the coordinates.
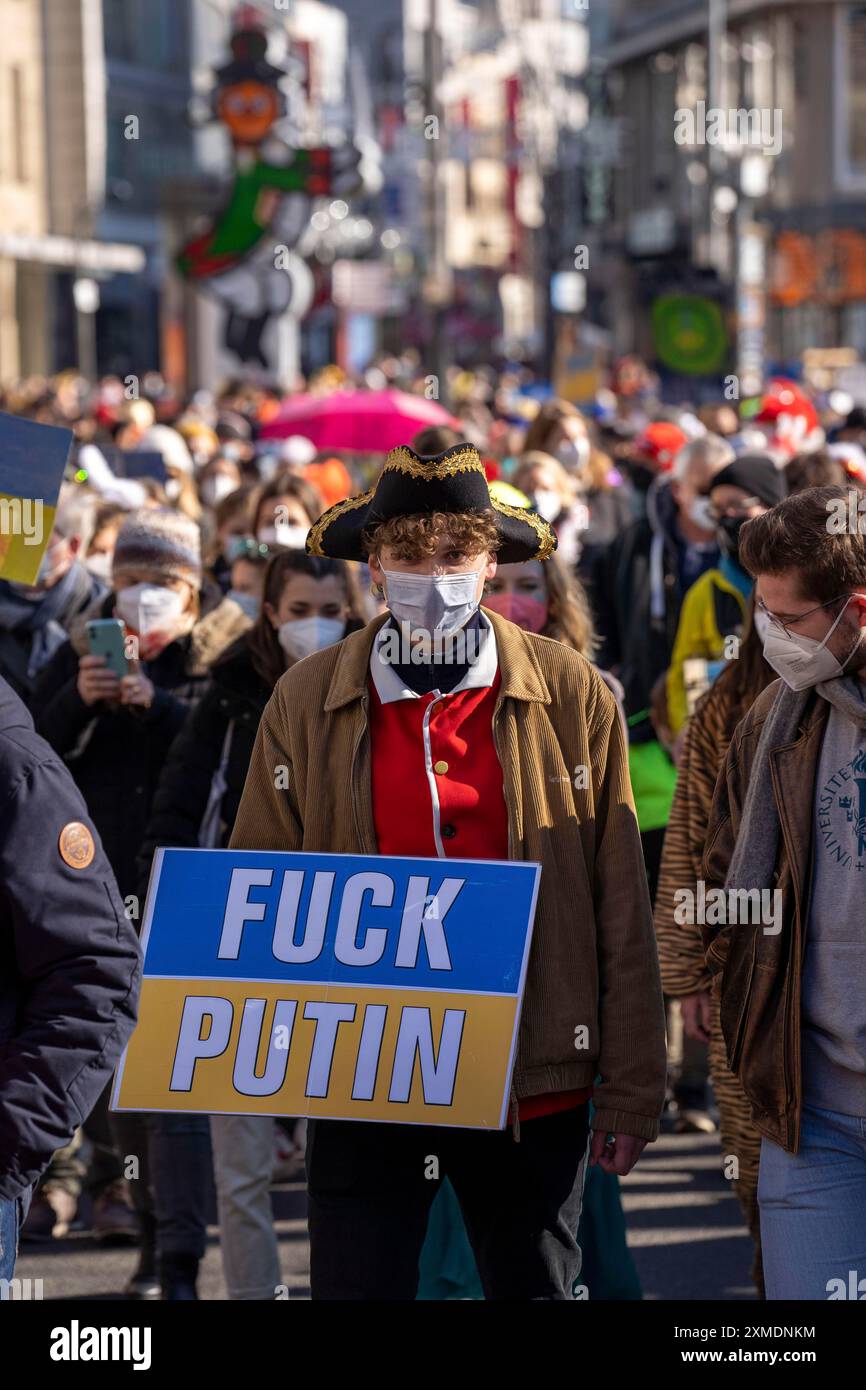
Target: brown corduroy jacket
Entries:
(593, 962)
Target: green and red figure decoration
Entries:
(244, 259)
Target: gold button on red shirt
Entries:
(469, 805)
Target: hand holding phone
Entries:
(96, 681)
(100, 672)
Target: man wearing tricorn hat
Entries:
(508, 746)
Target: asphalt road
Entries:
(684, 1224)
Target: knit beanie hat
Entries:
(757, 475)
(161, 543)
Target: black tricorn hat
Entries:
(409, 485)
(249, 61)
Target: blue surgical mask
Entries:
(248, 603)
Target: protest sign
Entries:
(32, 462)
(364, 988)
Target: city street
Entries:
(433, 660)
(683, 1222)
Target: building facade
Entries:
(735, 214)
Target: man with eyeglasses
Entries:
(715, 607)
(789, 820)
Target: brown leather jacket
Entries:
(593, 959)
(758, 973)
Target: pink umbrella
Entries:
(364, 421)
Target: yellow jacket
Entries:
(698, 635)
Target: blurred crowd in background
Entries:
(188, 518)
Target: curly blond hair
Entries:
(413, 537)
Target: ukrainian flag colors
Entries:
(332, 986)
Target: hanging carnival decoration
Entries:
(246, 258)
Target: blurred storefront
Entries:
(700, 201)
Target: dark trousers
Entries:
(371, 1187)
(174, 1184)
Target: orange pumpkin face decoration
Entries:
(249, 110)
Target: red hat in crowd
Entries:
(785, 398)
(789, 418)
(659, 444)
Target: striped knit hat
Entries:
(161, 543)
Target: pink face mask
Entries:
(522, 609)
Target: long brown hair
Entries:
(740, 682)
(548, 422)
(268, 657)
(286, 485)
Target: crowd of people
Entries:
(677, 560)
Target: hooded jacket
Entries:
(638, 598)
(593, 960)
(69, 959)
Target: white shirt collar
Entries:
(482, 672)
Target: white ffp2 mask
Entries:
(803, 661)
(301, 637)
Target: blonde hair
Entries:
(569, 618)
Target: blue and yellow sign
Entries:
(331, 986)
(32, 462)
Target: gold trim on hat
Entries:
(318, 529)
(404, 460)
(545, 534)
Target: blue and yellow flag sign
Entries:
(329, 985)
(32, 462)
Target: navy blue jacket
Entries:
(69, 958)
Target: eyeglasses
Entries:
(792, 622)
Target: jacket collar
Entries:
(519, 670)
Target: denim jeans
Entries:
(13, 1212)
(813, 1209)
(243, 1160)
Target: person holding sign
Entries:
(443, 730)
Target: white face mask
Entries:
(802, 661)
(150, 610)
(763, 624)
(100, 566)
(302, 636)
(432, 603)
(547, 503)
(574, 454)
(285, 536)
(216, 487)
(700, 514)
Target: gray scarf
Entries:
(754, 859)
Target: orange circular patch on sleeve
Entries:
(76, 845)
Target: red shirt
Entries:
(438, 792)
(437, 782)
